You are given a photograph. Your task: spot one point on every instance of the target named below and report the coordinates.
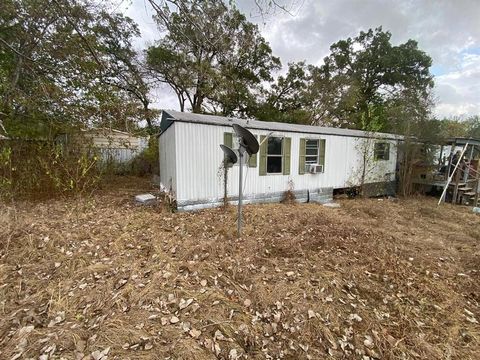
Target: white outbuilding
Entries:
(113, 145)
(307, 161)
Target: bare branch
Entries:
(15, 50)
(84, 39)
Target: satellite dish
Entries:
(229, 153)
(248, 143)
(247, 139)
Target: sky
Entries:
(447, 30)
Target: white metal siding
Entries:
(168, 160)
(117, 147)
(117, 155)
(114, 140)
(199, 157)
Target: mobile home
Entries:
(113, 145)
(309, 161)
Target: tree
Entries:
(409, 115)
(211, 57)
(473, 126)
(369, 84)
(287, 99)
(65, 62)
(122, 66)
(362, 75)
(459, 127)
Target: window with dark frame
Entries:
(235, 145)
(274, 155)
(381, 151)
(311, 151)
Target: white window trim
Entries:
(317, 155)
(374, 152)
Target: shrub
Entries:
(38, 169)
(147, 161)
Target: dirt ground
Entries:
(101, 277)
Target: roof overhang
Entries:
(169, 116)
(461, 141)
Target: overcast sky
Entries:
(447, 30)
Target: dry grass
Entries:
(378, 279)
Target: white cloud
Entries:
(459, 91)
(141, 12)
(442, 28)
(446, 30)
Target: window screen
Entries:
(311, 152)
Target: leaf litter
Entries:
(102, 278)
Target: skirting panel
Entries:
(381, 188)
(321, 195)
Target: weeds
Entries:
(289, 195)
(41, 169)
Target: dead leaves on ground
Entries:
(118, 281)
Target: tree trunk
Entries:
(197, 103)
(182, 103)
(364, 172)
(147, 114)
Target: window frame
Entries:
(235, 146)
(383, 154)
(317, 156)
(281, 155)
(304, 165)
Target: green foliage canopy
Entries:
(288, 99)
(64, 62)
(211, 56)
(363, 75)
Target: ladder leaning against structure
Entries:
(464, 179)
(450, 178)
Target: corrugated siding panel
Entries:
(115, 141)
(199, 158)
(142, 143)
(118, 155)
(119, 148)
(167, 151)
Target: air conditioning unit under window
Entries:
(314, 168)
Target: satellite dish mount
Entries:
(247, 144)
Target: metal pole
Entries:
(453, 173)
(239, 223)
